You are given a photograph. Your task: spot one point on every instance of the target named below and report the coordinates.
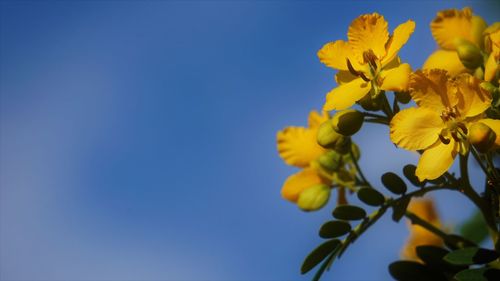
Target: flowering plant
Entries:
(448, 109)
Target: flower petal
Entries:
(343, 77)
(447, 60)
(492, 66)
(297, 146)
(396, 79)
(368, 32)
(316, 119)
(400, 36)
(415, 128)
(431, 89)
(436, 160)
(495, 126)
(346, 95)
(335, 55)
(473, 100)
(296, 183)
(452, 24)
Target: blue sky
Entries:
(137, 138)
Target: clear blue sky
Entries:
(137, 138)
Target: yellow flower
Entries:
(297, 146)
(492, 47)
(368, 60)
(448, 27)
(439, 125)
(425, 209)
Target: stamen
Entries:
(370, 58)
(351, 68)
(463, 127)
(455, 137)
(363, 76)
(443, 139)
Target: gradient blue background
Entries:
(138, 138)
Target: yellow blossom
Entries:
(368, 60)
(447, 107)
(448, 27)
(425, 209)
(492, 47)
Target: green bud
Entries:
(487, 86)
(327, 136)
(369, 103)
(403, 97)
(314, 198)
(347, 122)
(343, 145)
(469, 54)
(330, 161)
(482, 137)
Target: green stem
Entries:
(414, 219)
(475, 198)
(386, 107)
(358, 168)
(479, 161)
(369, 114)
(378, 121)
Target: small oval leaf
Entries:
(431, 255)
(334, 229)
(394, 183)
(349, 212)
(319, 254)
(413, 271)
(478, 274)
(471, 255)
(370, 196)
(409, 172)
(399, 208)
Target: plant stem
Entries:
(358, 168)
(479, 161)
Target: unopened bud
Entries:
(347, 122)
(343, 145)
(314, 198)
(327, 136)
(482, 137)
(487, 86)
(469, 54)
(330, 161)
(403, 97)
(370, 103)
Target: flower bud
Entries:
(370, 103)
(347, 122)
(403, 97)
(343, 145)
(330, 161)
(487, 86)
(327, 136)
(314, 198)
(469, 54)
(482, 137)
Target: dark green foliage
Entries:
(475, 228)
(478, 274)
(471, 255)
(399, 208)
(394, 183)
(319, 254)
(414, 271)
(409, 172)
(370, 196)
(349, 212)
(334, 229)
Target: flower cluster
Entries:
(448, 109)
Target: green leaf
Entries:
(349, 212)
(471, 255)
(475, 228)
(478, 274)
(319, 254)
(394, 183)
(455, 242)
(370, 196)
(399, 208)
(414, 271)
(431, 255)
(334, 229)
(409, 172)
